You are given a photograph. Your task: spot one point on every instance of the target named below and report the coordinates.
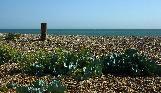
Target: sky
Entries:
(80, 14)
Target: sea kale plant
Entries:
(86, 65)
(80, 65)
(130, 63)
(43, 62)
(41, 86)
(59, 63)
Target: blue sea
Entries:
(89, 32)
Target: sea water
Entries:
(89, 32)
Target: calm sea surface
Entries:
(95, 32)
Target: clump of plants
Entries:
(130, 63)
(12, 36)
(86, 65)
(36, 63)
(40, 86)
(7, 54)
(60, 62)
(1, 38)
(3, 89)
(81, 65)
(43, 62)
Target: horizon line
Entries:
(87, 28)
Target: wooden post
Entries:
(43, 31)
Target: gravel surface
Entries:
(9, 72)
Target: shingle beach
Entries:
(99, 45)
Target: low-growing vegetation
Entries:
(130, 63)
(80, 65)
(1, 38)
(7, 54)
(12, 36)
(36, 63)
(38, 86)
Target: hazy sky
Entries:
(80, 14)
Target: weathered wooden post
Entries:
(43, 31)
